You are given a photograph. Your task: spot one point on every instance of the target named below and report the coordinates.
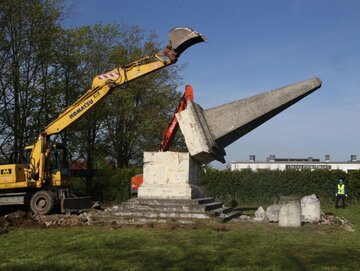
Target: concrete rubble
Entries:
(290, 212)
(331, 219)
(293, 217)
(64, 220)
(115, 216)
(310, 209)
(260, 214)
(272, 213)
(244, 217)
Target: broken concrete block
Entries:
(208, 132)
(290, 212)
(244, 217)
(260, 214)
(272, 212)
(198, 139)
(310, 209)
(170, 175)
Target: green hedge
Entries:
(233, 187)
(265, 186)
(108, 185)
(113, 185)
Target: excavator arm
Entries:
(180, 38)
(103, 85)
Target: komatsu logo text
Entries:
(81, 108)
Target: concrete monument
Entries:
(171, 175)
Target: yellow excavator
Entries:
(37, 177)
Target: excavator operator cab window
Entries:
(16, 157)
(27, 156)
(59, 162)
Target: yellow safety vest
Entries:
(341, 189)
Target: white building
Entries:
(274, 163)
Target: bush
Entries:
(266, 186)
(233, 187)
(108, 185)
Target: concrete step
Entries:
(159, 208)
(212, 206)
(153, 202)
(199, 201)
(128, 220)
(111, 220)
(220, 211)
(233, 214)
(150, 210)
(204, 200)
(155, 214)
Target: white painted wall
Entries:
(344, 166)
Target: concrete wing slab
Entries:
(208, 132)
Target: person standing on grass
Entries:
(341, 193)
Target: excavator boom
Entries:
(180, 38)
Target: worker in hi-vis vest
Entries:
(341, 193)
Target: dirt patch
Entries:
(22, 219)
(15, 219)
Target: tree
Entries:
(133, 118)
(28, 28)
(44, 69)
(140, 111)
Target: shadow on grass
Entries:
(322, 258)
(151, 249)
(169, 253)
(199, 249)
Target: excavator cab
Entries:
(181, 38)
(59, 166)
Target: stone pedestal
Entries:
(170, 175)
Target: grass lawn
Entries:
(233, 246)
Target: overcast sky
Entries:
(256, 46)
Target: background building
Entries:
(274, 163)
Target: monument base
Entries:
(170, 175)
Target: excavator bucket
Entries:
(181, 38)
